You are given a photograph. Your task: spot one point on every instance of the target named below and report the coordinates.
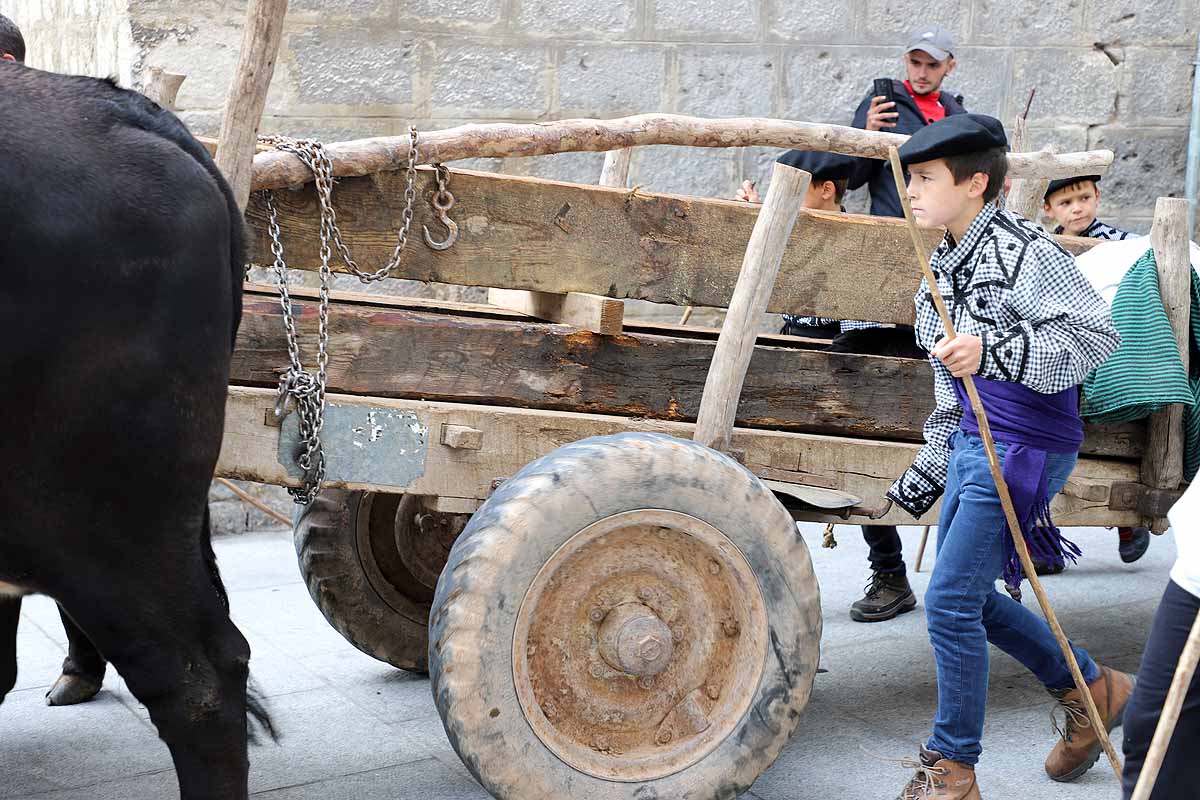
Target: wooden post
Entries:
(921, 548)
(615, 172)
(1162, 467)
(248, 94)
(1027, 194)
(760, 267)
(1010, 512)
(1185, 670)
(163, 87)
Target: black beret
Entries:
(1063, 183)
(953, 136)
(822, 166)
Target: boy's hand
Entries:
(880, 115)
(961, 355)
(748, 193)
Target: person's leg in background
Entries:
(1180, 773)
(888, 594)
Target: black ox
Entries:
(121, 250)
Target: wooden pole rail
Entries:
(764, 254)
(279, 170)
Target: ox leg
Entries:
(10, 613)
(183, 658)
(82, 671)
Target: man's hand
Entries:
(748, 193)
(880, 115)
(961, 355)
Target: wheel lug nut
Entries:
(713, 692)
(596, 614)
(731, 627)
(664, 737)
(677, 633)
(646, 682)
(645, 593)
(597, 671)
(714, 568)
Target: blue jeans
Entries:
(965, 612)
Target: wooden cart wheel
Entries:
(371, 563)
(631, 616)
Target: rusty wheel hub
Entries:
(423, 539)
(640, 645)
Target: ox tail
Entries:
(258, 720)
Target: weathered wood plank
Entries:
(390, 351)
(514, 437)
(527, 233)
(1163, 465)
(591, 312)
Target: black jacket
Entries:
(876, 173)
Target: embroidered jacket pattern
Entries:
(1100, 230)
(1041, 322)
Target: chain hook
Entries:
(442, 202)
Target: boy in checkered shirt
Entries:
(1029, 328)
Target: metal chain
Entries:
(298, 386)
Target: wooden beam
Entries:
(277, 170)
(163, 87)
(1163, 464)
(587, 311)
(379, 347)
(615, 172)
(1025, 197)
(248, 94)
(514, 437)
(618, 243)
(760, 265)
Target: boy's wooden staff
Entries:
(1172, 707)
(1010, 513)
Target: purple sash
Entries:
(1031, 424)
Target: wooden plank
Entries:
(506, 139)
(591, 312)
(514, 437)
(775, 223)
(1025, 197)
(391, 351)
(618, 243)
(1162, 467)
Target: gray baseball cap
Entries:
(931, 39)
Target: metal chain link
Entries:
(298, 386)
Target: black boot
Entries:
(887, 596)
(1134, 542)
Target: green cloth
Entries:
(1146, 373)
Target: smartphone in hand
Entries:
(883, 88)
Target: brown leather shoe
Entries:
(1079, 746)
(939, 778)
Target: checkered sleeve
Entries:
(923, 483)
(858, 325)
(1065, 329)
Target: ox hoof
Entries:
(70, 690)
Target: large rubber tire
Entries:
(520, 529)
(385, 617)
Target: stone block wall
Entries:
(1108, 73)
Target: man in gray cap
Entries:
(919, 101)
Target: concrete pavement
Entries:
(355, 728)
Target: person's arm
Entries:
(1065, 330)
(923, 483)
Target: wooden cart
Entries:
(625, 613)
